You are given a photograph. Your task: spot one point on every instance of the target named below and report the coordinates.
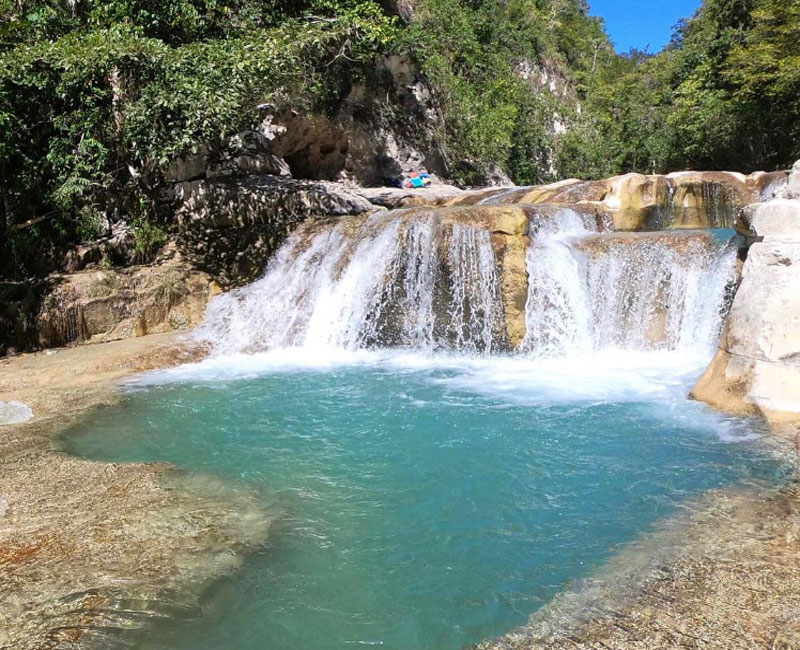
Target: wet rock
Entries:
(724, 576)
(768, 185)
(636, 202)
(511, 251)
(708, 199)
(89, 550)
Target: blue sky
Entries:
(637, 23)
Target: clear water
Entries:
(423, 503)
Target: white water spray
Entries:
(414, 280)
(659, 291)
(390, 281)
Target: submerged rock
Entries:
(90, 550)
(726, 576)
(13, 412)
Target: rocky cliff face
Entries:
(104, 304)
(230, 228)
(757, 367)
(385, 127)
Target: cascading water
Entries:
(391, 281)
(413, 279)
(625, 291)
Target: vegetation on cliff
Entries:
(725, 94)
(97, 97)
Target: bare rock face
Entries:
(105, 305)
(757, 368)
(230, 228)
(116, 249)
(248, 152)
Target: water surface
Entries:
(423, 502)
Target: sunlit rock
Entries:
(757, 368)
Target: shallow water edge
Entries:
(89, 548)
(733, 546)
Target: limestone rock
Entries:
(766, 186)
(115, 304)
(793, 186)
(351, 147)
(118, 249)
(637, 202)
(395, 197)
(777, 220)
(758, 366)
(511, 253)
(245, 153)
(230, 228)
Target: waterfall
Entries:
(632, 291)
(392, 280)
(432, 279)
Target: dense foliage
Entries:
(492, 64)
(97, 96)
(724, 95)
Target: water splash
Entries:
(391, 280)
(661, 291)
(423, 281)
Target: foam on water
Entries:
(413, 281)
(607, 319)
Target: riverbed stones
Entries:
(725, 578)
(88, 549)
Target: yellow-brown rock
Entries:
(511, 251)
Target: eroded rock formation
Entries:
(106, 304)
(230, 228)
(638, 202)
(757, 367)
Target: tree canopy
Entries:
(96, 97)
